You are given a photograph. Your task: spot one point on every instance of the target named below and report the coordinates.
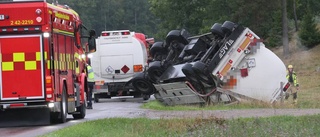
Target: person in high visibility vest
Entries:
(90, 83)
(293, 80)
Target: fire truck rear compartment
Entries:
(18, 65)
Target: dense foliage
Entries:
(157, 17)
(309, 33)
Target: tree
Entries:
(295, 15)
(309, 33)
(285, 38)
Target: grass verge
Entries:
(156, 105)
(143, 127)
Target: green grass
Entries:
(143, 127)
(156, 105)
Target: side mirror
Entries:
(92, 33)
(92, 41)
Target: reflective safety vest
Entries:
(90, 74)
(292, 78)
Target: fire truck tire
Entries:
(155, 71)
(216, 29)
(81, 110)
(227, 27)
(200, 70)
(64, 106)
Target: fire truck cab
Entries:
(41, 60)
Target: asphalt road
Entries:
(131, 109)
(106, 108)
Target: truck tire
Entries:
(155, 71)
(189, 73)
(227, 27)
(157, 48)
(216, 30)
(81, 110)
(96, 99)
(146, 97)
(63, 106)
(200, 70)
(177, 35)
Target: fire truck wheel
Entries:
(217, 30)
(81, 110)
(227, 27)
(64, 104)
(188, 71)
(204, 76)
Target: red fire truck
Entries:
(42, 65)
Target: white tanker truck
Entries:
(230, 63)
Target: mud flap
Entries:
(25, 117)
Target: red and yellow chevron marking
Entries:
(22, 61)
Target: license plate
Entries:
(1, 17)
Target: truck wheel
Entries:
(81, 110)
(157, 48)
(143, 86)
(188, 71)
(204, 76)
(216, 29)
(155, 71)
(146, 97)
(96, 99)
(177, 35)
(227, 27)
(63, 106)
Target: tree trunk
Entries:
(295, 15)
(285, 39)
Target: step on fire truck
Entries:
(228, 64)
(42, 69)
(120, 55)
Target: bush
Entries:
(309, 34)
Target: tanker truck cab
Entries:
(119, 56)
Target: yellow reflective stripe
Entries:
(48, 64)
(38, 56)
(45, 56)
(30, 65)
(63, 32)
(18, 57)
(55, 64)
(7, 66)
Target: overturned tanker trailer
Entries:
(228, 64)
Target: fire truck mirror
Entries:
(92, 33)
(92, 44)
